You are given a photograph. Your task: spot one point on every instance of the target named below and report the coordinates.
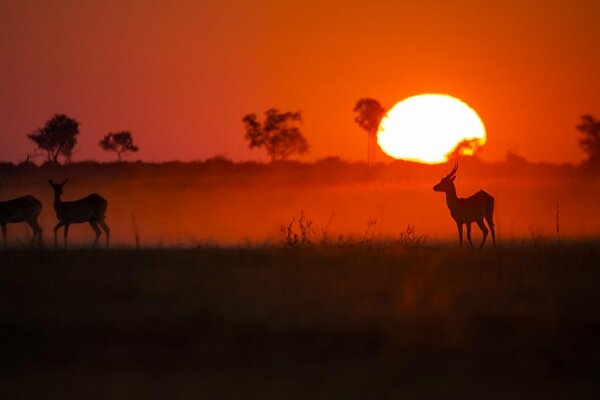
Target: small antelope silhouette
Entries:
(90, 209)
(22, 209)
(467, 210)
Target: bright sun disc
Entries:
(428, 127)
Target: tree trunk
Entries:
(57, 153)
(370, 149)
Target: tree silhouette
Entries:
(279, 134)
(120, 143)
(57, 138)
(369, 114)
(590, 143)
(465, 148)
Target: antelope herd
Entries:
(92, 209)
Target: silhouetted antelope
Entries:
(90, 209)
(22, 209)
(468, 210)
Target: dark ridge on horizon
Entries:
(324, 169)
(510, 159)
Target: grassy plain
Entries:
(376, 321)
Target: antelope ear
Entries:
(65, 181)
(453, 178)
(50, 182)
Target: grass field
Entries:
(522, 321)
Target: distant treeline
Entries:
(325, 170)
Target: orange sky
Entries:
(181, 75)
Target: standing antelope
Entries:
(22, 209)
(468, 210)
(90, 209)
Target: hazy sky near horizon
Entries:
(180, 75)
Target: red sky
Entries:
(181, 75)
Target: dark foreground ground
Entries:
(274, 323)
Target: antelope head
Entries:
(446, 182)
(57, 186)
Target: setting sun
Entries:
(427, 127)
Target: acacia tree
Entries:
(465, 148)
(590, 143)
(57, 138)
(279, 134)
(369, 113)
(120, 143)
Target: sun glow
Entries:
(428, 127)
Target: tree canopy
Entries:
(120, 143)
(279, 134)
(57, 137)
(590, 142)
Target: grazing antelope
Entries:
(468, 210)
(90, 209)
(22, 209)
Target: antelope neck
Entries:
(451, 197)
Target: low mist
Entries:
(221, 203)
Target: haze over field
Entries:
(223, 203)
